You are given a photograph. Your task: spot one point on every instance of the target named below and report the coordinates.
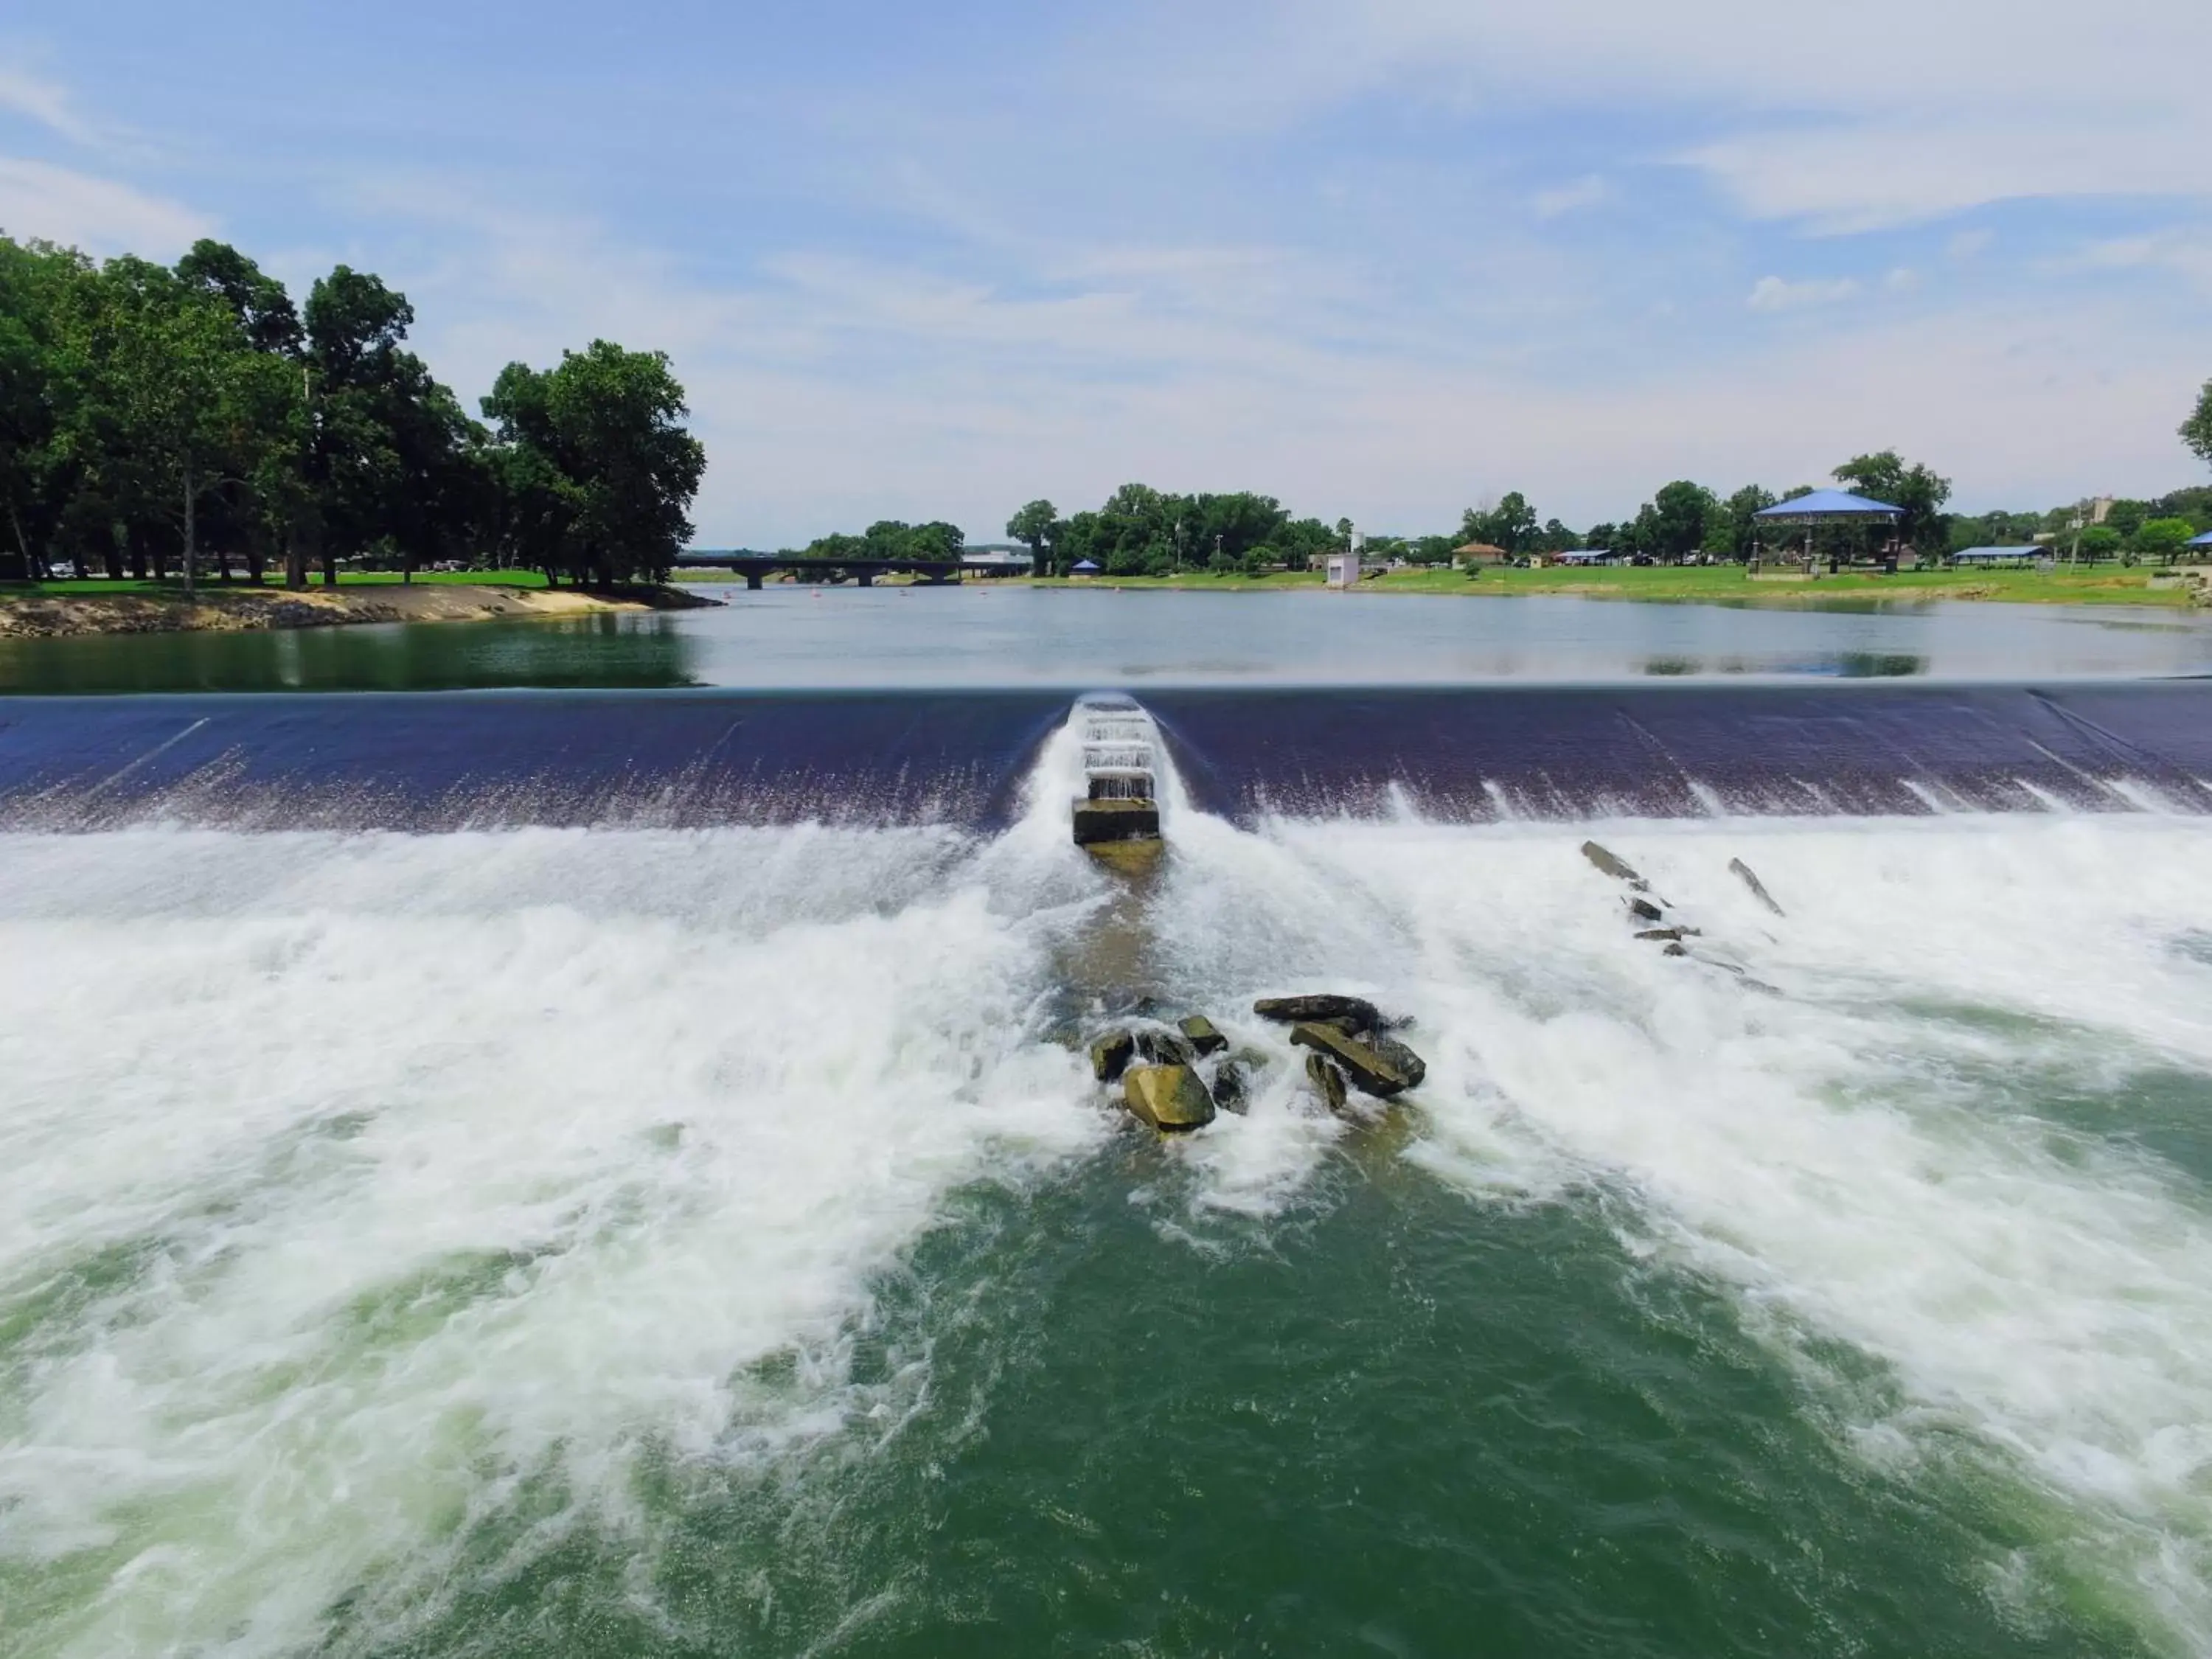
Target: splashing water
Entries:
(361, 1185)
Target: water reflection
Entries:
(610, 650)
(812, 638)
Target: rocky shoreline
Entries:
(218, 609)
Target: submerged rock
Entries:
(1165, 1048)
(1170, 1098)
(1327, 1079)
(1661, 934)
(1126, 858)
(1619, 868)
(1231, 1089)
(1290, 1011)
(1378, 1066)
(1644, 910)
(1742, 872)
(1110, 1055)
(1677, 949)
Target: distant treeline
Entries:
(1141, 530)
(189, 418)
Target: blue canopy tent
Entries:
(1085, 568)
(2204, 540)
(1827, 507)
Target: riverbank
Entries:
(1716, 585)
(60, 609)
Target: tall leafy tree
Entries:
(187, 401)
(601, 435)
(1915, 490)
(2197, 430)
(1033, 526)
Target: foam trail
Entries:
(1861, 1157)
(345, 1169)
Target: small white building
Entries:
(1343, 567)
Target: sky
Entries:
(1384, 259)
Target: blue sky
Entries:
(1381, 258)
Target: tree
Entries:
(1672, 526)
(2099, 541)
(182, 393)
(1920, 495)
(600, 436)
(1034, 525)
(1511, 524)
(2159, 538)
(2197, 430)
(936, 540)
(1734, 528)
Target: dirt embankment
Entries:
(230, 610)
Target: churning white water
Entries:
(351, 1183)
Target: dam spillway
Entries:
(626, 1169)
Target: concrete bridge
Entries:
(754, 567)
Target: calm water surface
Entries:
(982, 636)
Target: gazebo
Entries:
(1828, 508)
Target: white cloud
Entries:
(1881, 113)
(1903, 279)
(1586, 192)
(2187, 252)
(831, 389)
(46, 102)
(100, 215)
(1773, 294)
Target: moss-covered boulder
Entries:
(1378, 1066)
(1290, 1011)
(1170, 1098)
(1202, 1034)
(1327, 1079)
(1166, 1049)
(1110, 1055)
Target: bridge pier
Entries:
(752, 581)
(865, 578)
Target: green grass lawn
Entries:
(2095, 585)
(175, 588)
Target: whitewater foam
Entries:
(1837, 1140)
(358, 1180)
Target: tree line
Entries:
(190, 418)
(1141, 530)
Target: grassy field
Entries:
(346, 579)
(1722, 584)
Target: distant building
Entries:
(997, 561)
(1479, 553)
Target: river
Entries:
(603, 1172)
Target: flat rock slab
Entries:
(1170, 1098)
(1327, 1079)
(1378, 1066)
(1202, 1034)
(1362, 1014)
(1614, 865)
